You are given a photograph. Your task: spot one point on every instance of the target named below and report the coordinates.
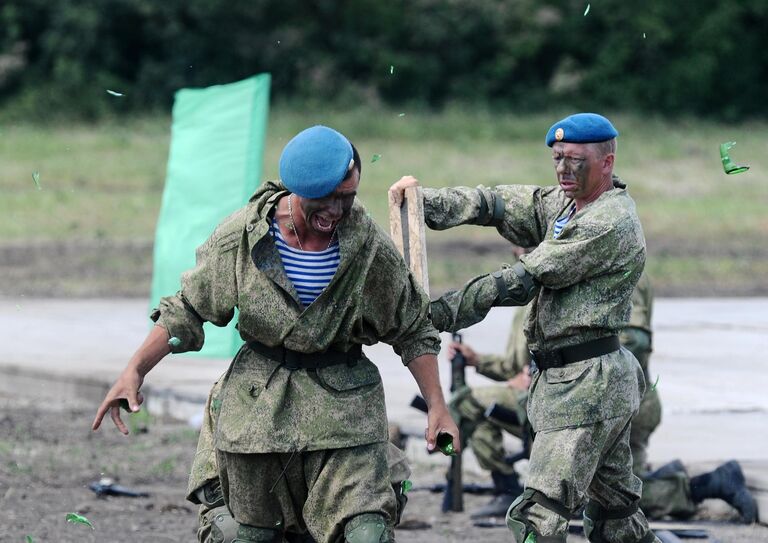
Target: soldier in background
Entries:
(485, 435)
(670, 491)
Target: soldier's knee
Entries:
(216, 525)
(367, 528)
(595, 517)
(523, 531)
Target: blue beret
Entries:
(581, 128)
(315, 161)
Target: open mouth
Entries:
(322, 224)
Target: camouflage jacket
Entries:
(587, 274)
(637, 336)
(372, 297)
(586, 279)
(515, 357)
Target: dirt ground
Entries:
(48, 456)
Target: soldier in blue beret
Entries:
(300, 442)
(588, 254)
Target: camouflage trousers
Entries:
(316, 491)
(483, 435)
(591, 461)
(205, 472)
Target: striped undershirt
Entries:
(562, 221)
(309, 271)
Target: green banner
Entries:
(214, 165)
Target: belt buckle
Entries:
(545, 360)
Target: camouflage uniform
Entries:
(580, 412)
(302, 449)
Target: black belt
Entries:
(295, 360)
(575, 353)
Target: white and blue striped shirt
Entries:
(309, 271)
(562, 221)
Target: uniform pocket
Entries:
(568, 373)
(341, 377)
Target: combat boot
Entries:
(506, 488)
(726, 483)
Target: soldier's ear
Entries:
(607, 162)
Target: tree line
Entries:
(699, 57)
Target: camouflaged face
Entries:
(372, 297)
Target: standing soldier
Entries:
(589, 254)
(301, 435)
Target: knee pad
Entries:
(217, 526)
(522, 529)
(595, 516)
(366, 528)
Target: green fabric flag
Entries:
(214, 165)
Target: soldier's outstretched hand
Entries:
(397, 190)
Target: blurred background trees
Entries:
(698, 57)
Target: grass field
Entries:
(706, 231)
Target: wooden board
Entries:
(408, 231)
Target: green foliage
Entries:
(707, 57)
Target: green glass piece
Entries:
(74, 518)
(406, 485)
(656, 382)
(36, 179)
(375, 158)
(124, 405)
(174, 342)
(531, 538)
(444, 442)
(29, 539)
(728, 166)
